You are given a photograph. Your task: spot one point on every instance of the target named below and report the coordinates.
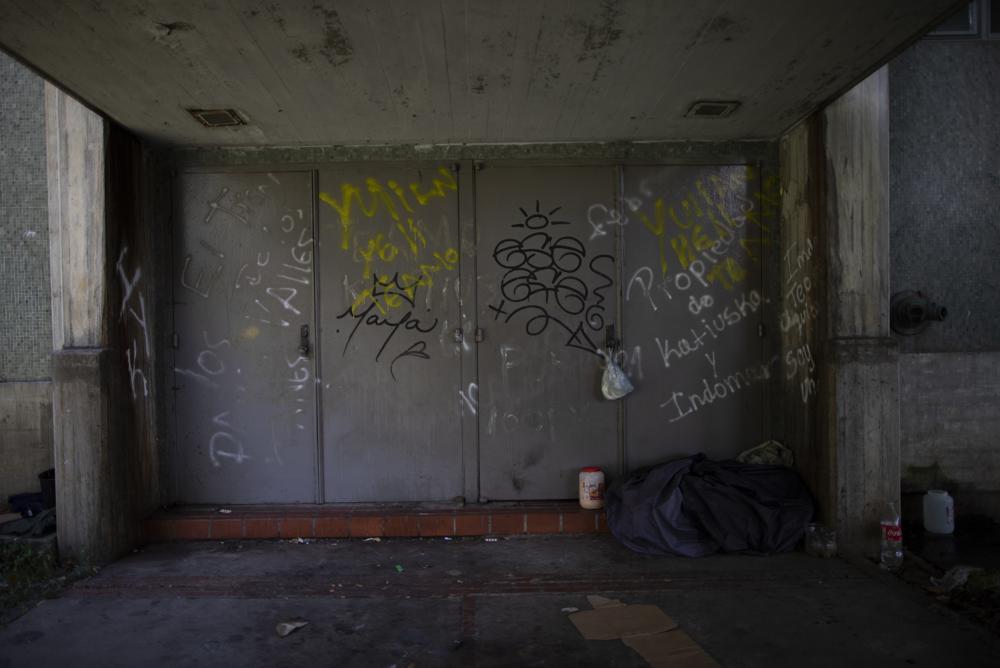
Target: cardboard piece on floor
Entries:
(602, 601)
(621, 621)
(674, 649)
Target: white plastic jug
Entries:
(939, 512)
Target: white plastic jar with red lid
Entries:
(591, 488)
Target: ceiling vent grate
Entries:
(217, 118)
(711, 109)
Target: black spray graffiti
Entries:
(391, 292)
(545, 281)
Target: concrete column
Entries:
(859, 380)
(75, 143)
(803, 280)
(81, 364)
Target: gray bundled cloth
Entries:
(693, 507)
(37, 525)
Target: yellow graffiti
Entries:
(683, 244)
(658, 229)
(440, 186)
(408, 284)
(414, 237)
(398, 205)
(250, 333)
(379, 247)
(728, 272)
(709, 216)
(381, 199)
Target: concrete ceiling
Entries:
(453, 71)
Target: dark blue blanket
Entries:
(694, 506)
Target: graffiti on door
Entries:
(397, 247)
(244, 285)
(549, 281)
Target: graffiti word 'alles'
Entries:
(389, 291)
(743, 305)
(279, 286)
(543, 282)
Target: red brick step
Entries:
(370, 520)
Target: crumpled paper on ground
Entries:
(286, 628)
(955, 577)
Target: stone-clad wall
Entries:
(25, 320)
(25, 323)
(945, 190)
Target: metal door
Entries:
(546, 294)
(389, 270)
(243, 317)
(693, 250)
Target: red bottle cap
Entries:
(590, 469)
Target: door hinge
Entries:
(760, 329)
(176, 341)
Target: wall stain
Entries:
(722, 28)
(552, 71)
(599, 34)
(400, 93)
(532, 459)
(167, 29)
(275, 12)
(920, 478)
(301, 53)
(337, 47)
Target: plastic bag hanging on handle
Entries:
(614, 383)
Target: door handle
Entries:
(611, 341)
(304, 340)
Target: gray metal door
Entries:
(243, 317)
(546, 293)
(693, 249)
(389, 276)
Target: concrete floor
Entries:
(976, 542)
(469, 602)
